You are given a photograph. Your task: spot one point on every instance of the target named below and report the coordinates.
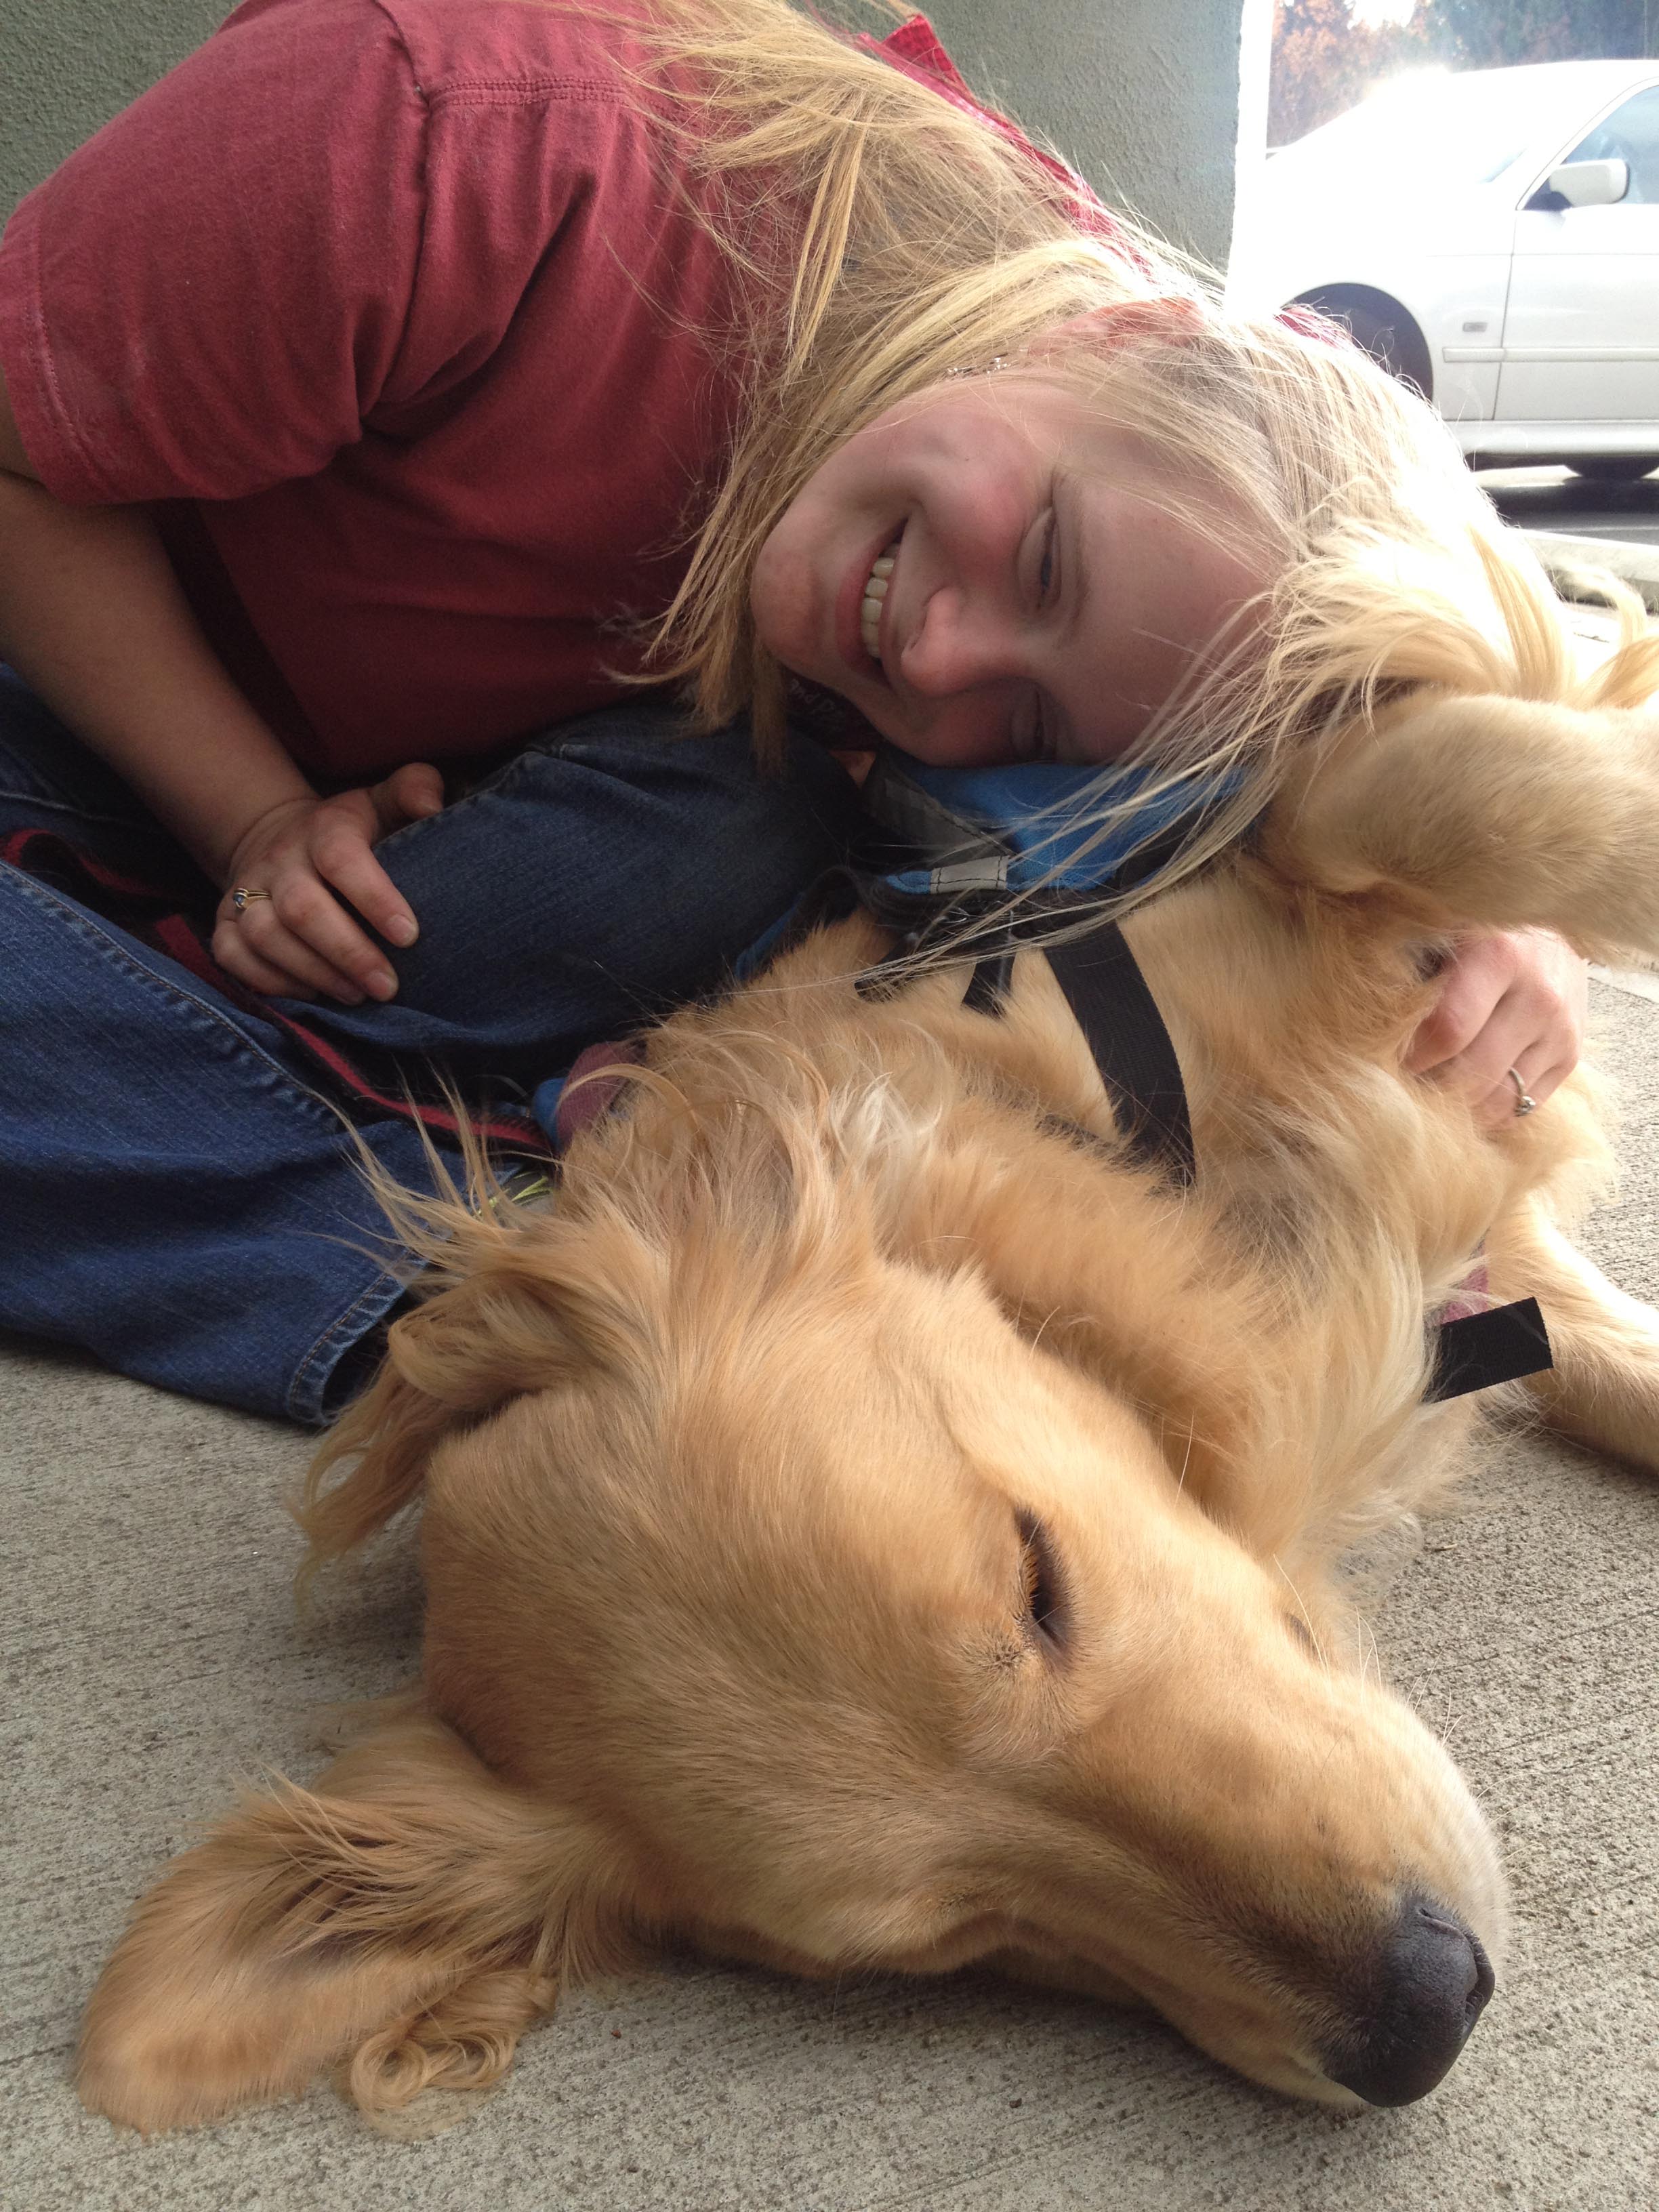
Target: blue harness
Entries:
(968, 841)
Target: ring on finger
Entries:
(1524, 1104)
(243, 896)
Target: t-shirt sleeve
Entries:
(212, 294)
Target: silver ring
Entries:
(1524, 1104)
(243, 896)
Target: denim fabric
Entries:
(609, 871)
(176, 1198)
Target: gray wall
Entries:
(1141, 95)
(66, 66)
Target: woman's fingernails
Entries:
(401, 929)
(381, 982)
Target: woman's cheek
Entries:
(779, 595)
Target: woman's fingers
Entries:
(1503, 1101)
(408, 794)
(304, 928)
(310, 864)
(236, 956)
(341, 834)
(345, 863)
(262, 937)
(1474, 983)
(1511, 1008)
(237, 959)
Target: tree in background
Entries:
(1328, 53)
(1325, 61)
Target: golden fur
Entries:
(867, 1526)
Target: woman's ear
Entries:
(406, 1920)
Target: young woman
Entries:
(395, 401)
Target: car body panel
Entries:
(1581, 334)
(1542, 327)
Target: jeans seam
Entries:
(306, 1393)
(491, 788)
(576, 752)
(304, 1396)
(101, 942)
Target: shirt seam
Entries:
(39, 330)
(502, 90)
(418, 265)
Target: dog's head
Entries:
(783, 1597)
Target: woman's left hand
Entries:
(1515, 1001)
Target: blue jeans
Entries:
(174, 1194)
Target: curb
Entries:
(1568, 559)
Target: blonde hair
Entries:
(882, 236)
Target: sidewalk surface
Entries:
(153, 1656)
(1573, 563)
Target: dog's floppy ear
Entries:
(407, 1920)
(508, 1307)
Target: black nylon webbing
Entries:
(1499, 1346)
(1113, 1007)
(1119, 1017)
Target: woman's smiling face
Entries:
(1041, 604)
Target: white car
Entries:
(1492, 236)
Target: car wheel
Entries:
(1384, 329)
(1615, 468)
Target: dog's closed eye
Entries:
(1042, 1589)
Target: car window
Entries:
(1439, 129)
(1630, 134)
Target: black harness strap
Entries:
(990, 983)
(1113, 1005)
(1115, 1008)
(1479, 1349)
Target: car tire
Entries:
(1383, 329)
(1615, 468)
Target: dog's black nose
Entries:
(1426, 1992)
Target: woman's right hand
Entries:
(306, 855)
(92, 616)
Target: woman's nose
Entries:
(957, 645)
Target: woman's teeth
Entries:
(875, 591)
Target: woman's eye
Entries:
(1045, 567)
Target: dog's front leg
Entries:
(1603, 1388)
(1501, 813)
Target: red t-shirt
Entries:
(392, 307)
(399, 292)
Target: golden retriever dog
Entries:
(871, 1521)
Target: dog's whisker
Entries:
(1186, 1461)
